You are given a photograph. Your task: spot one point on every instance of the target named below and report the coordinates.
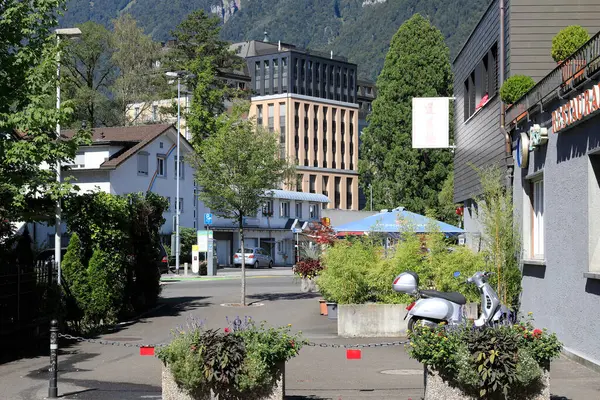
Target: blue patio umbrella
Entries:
(396, 221)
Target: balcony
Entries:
(574, 71)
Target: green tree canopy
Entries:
(417, 65)
(237, 167)
(201, 53)
(28, 114)
(90, 74)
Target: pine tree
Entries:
(417, 65)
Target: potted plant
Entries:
(514, 88)
(308, 268)
(243, 361)
(564, 44)
(501, 362)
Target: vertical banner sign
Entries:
(430, 122)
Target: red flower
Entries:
(193, 348)
(226, 330)
(537, 332)
(292, 343)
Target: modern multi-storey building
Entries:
(311, 100)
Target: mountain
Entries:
(358, 29)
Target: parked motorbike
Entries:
(432, 307)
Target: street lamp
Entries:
(178, 75)
(67, 33)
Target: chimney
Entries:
(266, 39)
(279, 45)
(331, 54)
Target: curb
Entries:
(217, 278)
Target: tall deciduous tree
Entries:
(28, 114)
(203, 54)
(417, 65)
(139, 80)
(90, 74)
(237, 167)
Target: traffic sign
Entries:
(297, 230)
(207, 219)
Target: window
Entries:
(271, 117)
(259, 115)
(537, 219)
(275, 76)
(180, 205)
(312, 182)
(482, 83)
(267, 76)
(143, 163)
(299, 179)
(349, 193)
(284, 209)
(337, 198)
(161, 166)
(268, 208)
(181, 168)
(298, 210)
(257, 77)
(313, 211)
(326, 185)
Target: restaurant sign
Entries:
(578, 108)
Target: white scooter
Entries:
(433, 307)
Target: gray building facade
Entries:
(557, 202)
(529, 26)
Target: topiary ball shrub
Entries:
(567, 41)
(515, 87)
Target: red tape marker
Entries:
(353, 354)
(146, 351)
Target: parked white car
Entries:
(255, 257)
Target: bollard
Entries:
(185, 269)
(53, 388)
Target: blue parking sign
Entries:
(207, 219)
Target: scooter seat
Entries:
(454, 297)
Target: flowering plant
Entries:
(239, 360)
(308, 268)
(489, 362)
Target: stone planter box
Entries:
(308, 286)
(172, 391)
(436, 388)
(379, 320)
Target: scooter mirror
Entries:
(456, 274)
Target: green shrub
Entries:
(489, 362)
(107, 283)
(75, 282)
(188, 237)
(515, 87)
(236, 363)
(344, 279)
(567, 41)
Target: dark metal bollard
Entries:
(53, 385)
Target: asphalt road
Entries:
(102, 372)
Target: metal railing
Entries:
(24, 295)
(576, 69)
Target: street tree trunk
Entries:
(241, 227)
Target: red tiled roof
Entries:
(133, 137)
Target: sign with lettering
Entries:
(537, 136)
(578, 108)
(430, 123)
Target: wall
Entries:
(89, 181)
(561, 297)
(535, 22)
(478, 140)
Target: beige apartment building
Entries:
(321, 137)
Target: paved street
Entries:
(100, 372)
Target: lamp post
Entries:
(67, 33)
(178, 75)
